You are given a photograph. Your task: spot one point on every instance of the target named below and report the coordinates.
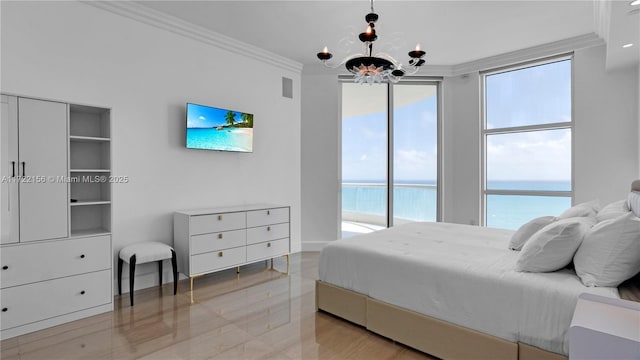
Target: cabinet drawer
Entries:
(266, 233)
(43, 300)
(49, 260)
(202, 224)
(267, 250)
(218, 241)
(207, 262)
(267, 217)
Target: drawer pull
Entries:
(219, 236)
(268, 244)
(219, 217)
(220, 254)
(5, 267)
(82, 292)
(268, 212)
(268, 228)
(82, 256)
(4, 309)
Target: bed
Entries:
(450, 290)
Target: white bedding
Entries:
(461, 274)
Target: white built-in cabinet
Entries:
(55, 213)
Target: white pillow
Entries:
(633, 201)
(553, 247)
(610, 252)
(520, 237)
(613, 210)
(589, 208)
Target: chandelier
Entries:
(369, 68)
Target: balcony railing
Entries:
(366, 202)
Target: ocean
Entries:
(230, 139)
(416, 201)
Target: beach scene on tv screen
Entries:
(219, 129)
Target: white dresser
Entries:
(210, 240)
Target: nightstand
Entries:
(604, 328)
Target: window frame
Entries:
(484, 133)
(410, 80)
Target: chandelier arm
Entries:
(334, 65)
(388, 57)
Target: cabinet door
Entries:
(42, 151)
(8, 170)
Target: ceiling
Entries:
(451, 32)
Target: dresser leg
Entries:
(237, 269)
(271, 263)
(191, 287)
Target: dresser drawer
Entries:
(267, 217)
(202, 224)
(218, 241)
(23, 264)
(207, 262)
(43, 300)
(267, 250)
(266, 233)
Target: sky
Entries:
(531, 96)
(199, 116)
(365, 137)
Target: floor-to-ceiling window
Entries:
(527, 142)
(389, 155)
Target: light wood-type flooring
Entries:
(258, 314)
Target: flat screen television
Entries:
(212, 128)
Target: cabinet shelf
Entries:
(90, 202)
(80, 138)
(89, 167)
(89, 232)
(90, 170)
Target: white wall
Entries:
(77, 53)
(461, 149)
(320, 160)
(606, 127)
(606, 157)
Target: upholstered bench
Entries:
(143, 253)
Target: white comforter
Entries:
(460, 274)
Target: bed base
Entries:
(432, 336)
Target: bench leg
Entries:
(120, 261)
(132, 275)
(160, 271)
(174, 265)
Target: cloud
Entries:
(536, 155)
(411, 164)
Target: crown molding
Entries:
(602, 18)
(510, 58)
(514, 57)
(425, 70)
(163, 21)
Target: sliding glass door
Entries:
(415, 153)
(389, 155)
(364, 158)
